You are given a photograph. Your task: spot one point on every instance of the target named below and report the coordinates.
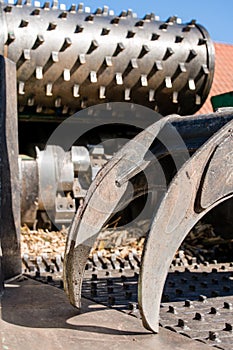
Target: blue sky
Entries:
(216, 16)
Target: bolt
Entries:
(202, 298)
(213, 336)
(228, 327)
(198, 316)
(213, 311)
(182, 324)
(188, 303)
(172, 309)
(227, 305)
(49, 279)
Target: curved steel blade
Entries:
(103, 198)
(202, 183)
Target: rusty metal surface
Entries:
(179, 211)
(70, 59)
(103, 198)
(196, 302)
(29, 190)
(9, 172)
(34, 315)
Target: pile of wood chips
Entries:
(202, 242)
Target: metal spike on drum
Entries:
(99, 57)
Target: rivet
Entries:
(67, 43)
(80, 7)
(105, 11)
(134, 63)
(168, 82)
(63, 15)
(58, 102)
(76, 88)
(151, 95)
(123, 14)
(72, 8)
(228, 327)
(202, 298)
(79, 29)
(65, 109)
(145, 50)
(93, 47)
(39, 109)
(108, 61)
(93, 77)
(213, 311)
(202, 41)
(8, 8)
(105, 31)
(102, 92)
(90, 18)
(171, 20)
(182, 67)
(198, 316)
(148, 17)
(227, 305)
(139, 24)
(179, 39)
(119, 49)
(36, 12)
(11, 38)
(169, 52)
(192, 55)
(130, 13)
(172, 309)
(30, 101)
(49, 88)
(115, 20)
(52, 26)
(21, 88)
(27, 54)
(39, 41)
(66, 74)
(82, 58)
(130, 34)
(188, 303)
(198, 100)
(213, 336)
(192, 85)
(98, 11)
(119, 79)
(55, 56)
(127, 94)
(175, 100)
(155, 36)
(163, 26)
(39, 73)
(46, 6)
(144, 81)
(24, 23)
(158, 65)
(205, 69)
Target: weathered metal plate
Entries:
(9, 171)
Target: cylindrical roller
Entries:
(68, 60)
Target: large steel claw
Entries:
(203, 182)
(109, 192)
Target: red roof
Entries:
(223, 76)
